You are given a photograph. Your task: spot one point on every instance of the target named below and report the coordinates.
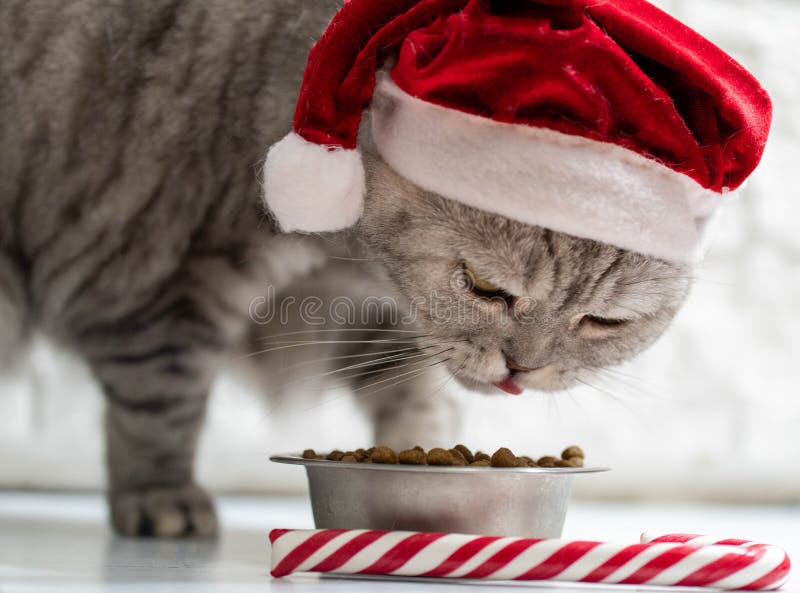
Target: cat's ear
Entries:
(313, 188)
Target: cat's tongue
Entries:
(509, 386)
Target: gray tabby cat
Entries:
(132, 232)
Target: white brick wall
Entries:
(713, 410)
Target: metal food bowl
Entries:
(519, 501)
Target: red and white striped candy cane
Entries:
(762, 580)
(678, 559)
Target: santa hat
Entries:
(603, 119)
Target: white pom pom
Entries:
(310, 188)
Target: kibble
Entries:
(465, 452)
(384, 455)
(439, 456)
(460, 456)
(415, 456)
(335, 455)
(573, 451)
(503, 457)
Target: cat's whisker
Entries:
(288, 345)
(608, 393)
(378, 371)
(636, 391)
(452, 376)
(708, 280)
(644, 388)
(344, 381)
(552, 401)
(390, 341)
(623, 375)
(633, 413)
(409, 349)
(311, 361)
(398, 376)
(405, 339)
(378, 342)
(574, 400)
(391, 358)
(631, 390)
(385, 359)
(622, 390)
(417, 374)
(409, 376)
(342, 258)
(413, 375)
(297, 344)
(401, 381)
(370, 330)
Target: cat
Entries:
(132, 232)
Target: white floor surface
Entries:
(60, 543)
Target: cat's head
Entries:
(508, 303)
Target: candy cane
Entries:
(677, 559)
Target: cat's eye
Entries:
(604, 321)
(482, 287)
(596, 326)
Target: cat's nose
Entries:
(513, 365)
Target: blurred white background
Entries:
(712, 411)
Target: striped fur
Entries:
(130, 133)
(132, 232)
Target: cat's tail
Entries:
(14, 318)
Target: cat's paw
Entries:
(182, 511)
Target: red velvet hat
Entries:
(603, 119)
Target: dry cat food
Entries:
(458, 455)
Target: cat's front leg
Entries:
(154, 411)
(156, 365)
(150, 446)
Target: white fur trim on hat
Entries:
(574, 185)
(313, 188)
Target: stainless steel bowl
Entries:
(530, 502)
